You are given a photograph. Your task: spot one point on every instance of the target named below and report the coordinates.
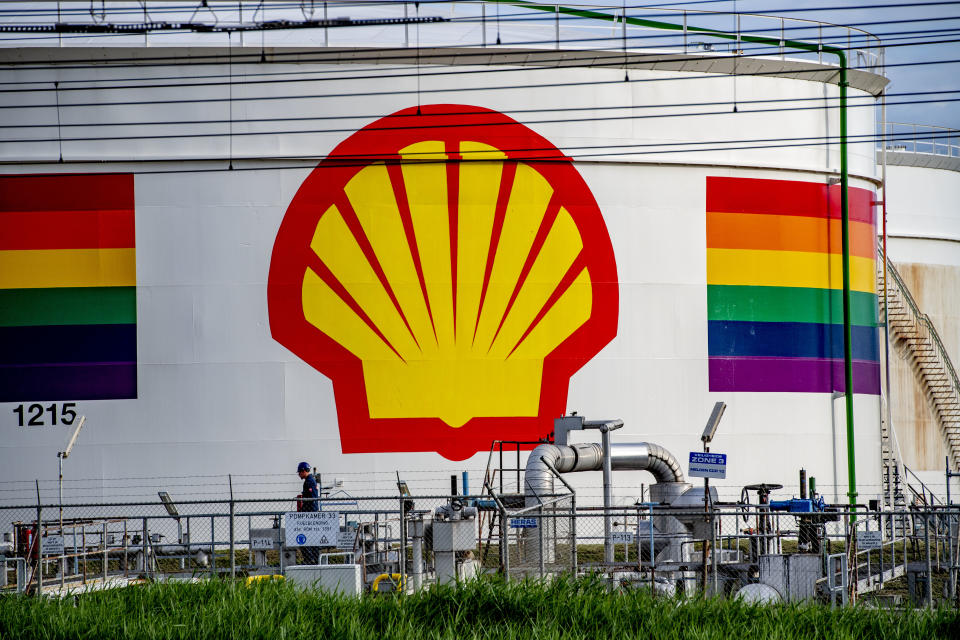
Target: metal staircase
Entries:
(929, 360)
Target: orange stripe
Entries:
(787, 233)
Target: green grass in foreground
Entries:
(481, 609)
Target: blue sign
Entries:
(523, 523)
(301, 539)
(708, 465)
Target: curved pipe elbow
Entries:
(639, 456)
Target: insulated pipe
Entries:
(640, 456)
(626, 456)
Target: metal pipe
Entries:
(608, 550)
(641, 456)
(417, 553)
(633, 456)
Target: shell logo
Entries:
(448, 270)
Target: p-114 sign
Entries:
(708, 465)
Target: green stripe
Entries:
(68, 305)
(789, 304)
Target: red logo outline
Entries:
(380, 142)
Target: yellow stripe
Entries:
(43, 268)
(788, 269)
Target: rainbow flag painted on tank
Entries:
(68, 303)
(775, 287)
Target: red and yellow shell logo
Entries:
(449, 270)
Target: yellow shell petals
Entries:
(525, 209)
(335, 245)
(561, 248)
(476, 205)
(325, 310)
(426, 184)
(572, 309)
(371, 194)
(460, 357)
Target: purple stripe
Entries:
(803, 375)
(90, 381)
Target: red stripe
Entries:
(786, 197)
(324, 273)
(67, 229)
(395, 171)
(500, 213)
(549, 218)
(67, 192)
(453, 217)
(353, 224)
(572, 274)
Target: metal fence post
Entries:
(542, 562)
(283, 545)
(106, 556)
(504, 544)
(233, 556)
(39, 542)
(713, 546)
(213, 547)
(143, 543)
(653, 562)
(926, 535)
(573, 534)
(402, 555)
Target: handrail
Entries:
(923, 488)
(226, 18)
(942, 141)
(923, 319)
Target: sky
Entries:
(923, 15)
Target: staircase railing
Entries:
(946, 410)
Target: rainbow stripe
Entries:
(68, 292)
(774, 287)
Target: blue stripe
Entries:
(72, 343)
(788, 340)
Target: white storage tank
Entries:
(231, 258)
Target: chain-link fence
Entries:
(794, 550)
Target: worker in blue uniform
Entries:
(309, 501)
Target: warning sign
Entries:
(346, 538)
(312, 528)
(51, 545)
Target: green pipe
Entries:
(847, 335)
(844, 180)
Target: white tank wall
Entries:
(218, 395)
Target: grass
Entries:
(486, 608)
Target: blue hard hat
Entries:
(303, 466)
